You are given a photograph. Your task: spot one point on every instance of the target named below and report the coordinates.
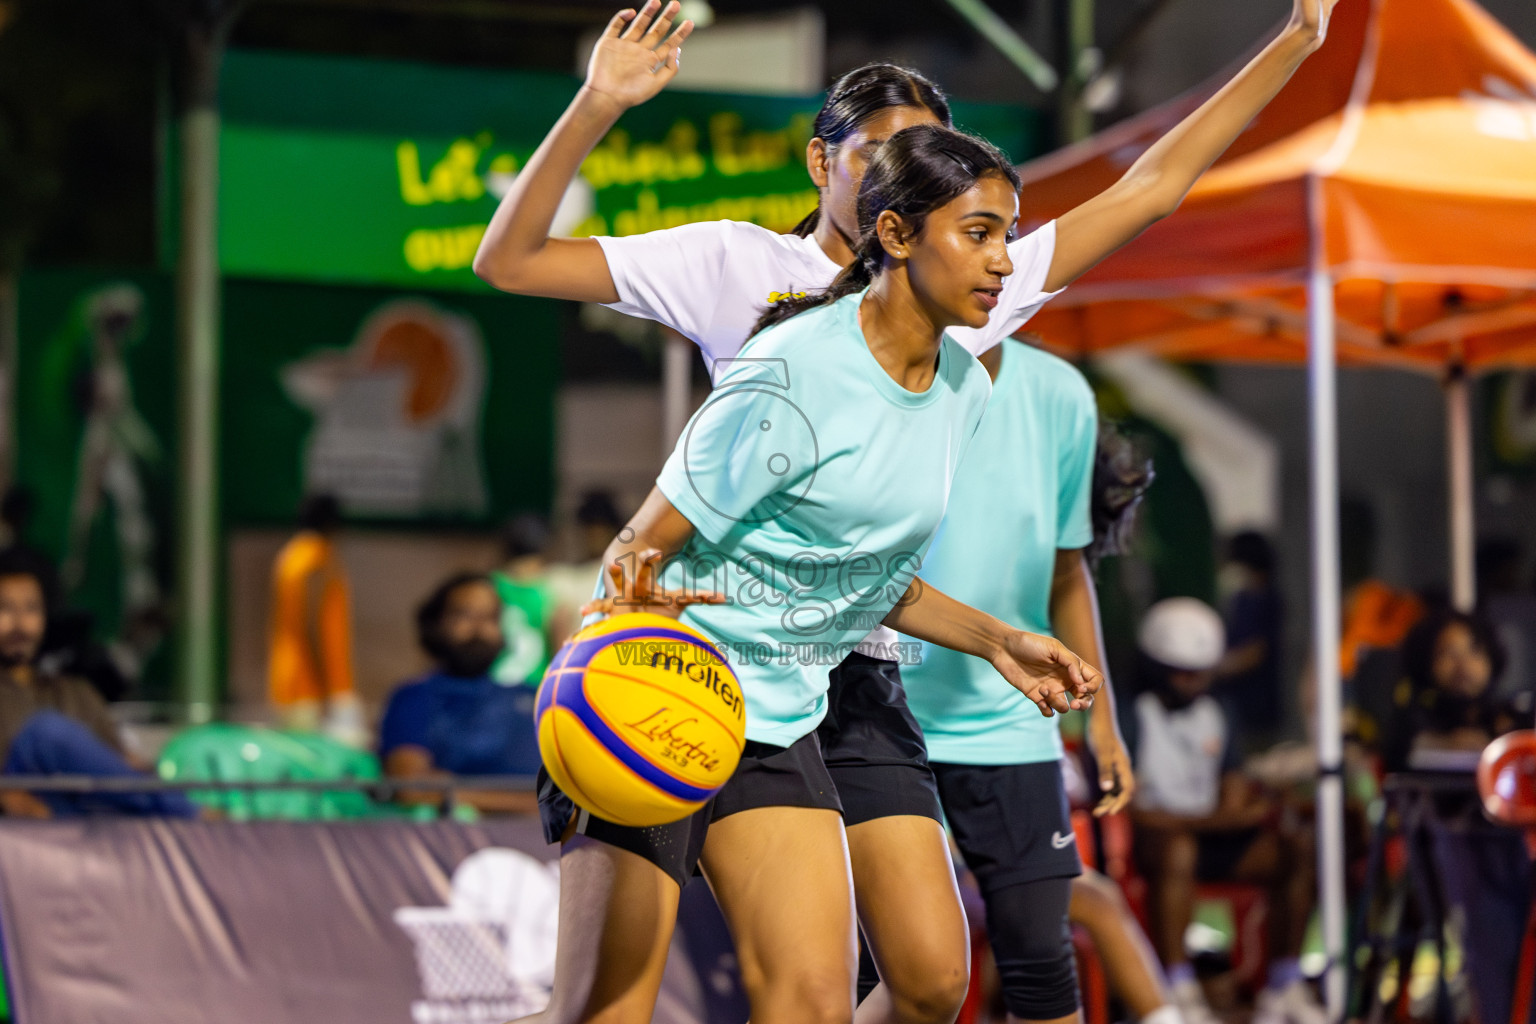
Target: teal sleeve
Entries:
(746, 457)
(1078, 452)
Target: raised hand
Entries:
(1042, 669)
(642, 593)
(636, 56)
(1311, 17)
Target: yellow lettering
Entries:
(429, 249)
(723, 131)
(736, 153)
(683, 142)
(615, 161)
(776, 212)
(412, 189)
(454, 176)
(451, 179)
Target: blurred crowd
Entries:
(1224, 798)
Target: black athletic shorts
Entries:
(873, 746)
(768, 776)
(1011, 821)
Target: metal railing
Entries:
(382, 791)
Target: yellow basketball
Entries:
(641, 720)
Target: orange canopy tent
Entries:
(1381, 210)
(1401, 160)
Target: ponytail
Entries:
(1122, 473)
(807, 227)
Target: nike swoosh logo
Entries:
(1061, 842)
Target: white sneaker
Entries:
(1165, 1014)
(1189, 997)
(1294, 1004)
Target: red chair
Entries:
(1506, 781)
(1250, 903)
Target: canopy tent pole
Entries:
(676, 362)
(1324, 414)
(197, 337)
(1458, 464)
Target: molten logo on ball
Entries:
(640, 719)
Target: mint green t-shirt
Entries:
(1021, 494)
(815, 483)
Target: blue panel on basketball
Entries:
(641, 719)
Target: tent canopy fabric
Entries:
(1401, 158)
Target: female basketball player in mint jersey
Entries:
(806, 489)
(708, 281)
(1011, 542)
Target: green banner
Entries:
(415, 408)
(385, 173)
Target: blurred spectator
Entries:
(1248, 678)
(1376, 621)
(1448, 711)
(1511, 608)
(52, 724)
(16, 510)
(1198, 819)
(69, 647)
(457, 720)
(309, 661)
(531, 619)
(1448, 699)
(597, 522)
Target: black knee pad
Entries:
(1032, 943)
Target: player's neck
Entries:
(833, 242)
(992, 361)
(901, 333)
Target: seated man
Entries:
(1198, 819)
(56, 725)
(457, 720)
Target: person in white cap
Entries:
(1198, 819)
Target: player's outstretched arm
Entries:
(655, 533)
(1075, 620)
(1155, 184)
(634, 59)
(1039, 667)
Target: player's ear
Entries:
(817, 161)
(894, 234)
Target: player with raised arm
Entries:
(710, 280)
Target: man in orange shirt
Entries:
(309, 663)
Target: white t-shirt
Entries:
(712, 280)
(1181, 755)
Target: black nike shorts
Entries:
(1012, 822)
(768, 776)
(873, 746)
